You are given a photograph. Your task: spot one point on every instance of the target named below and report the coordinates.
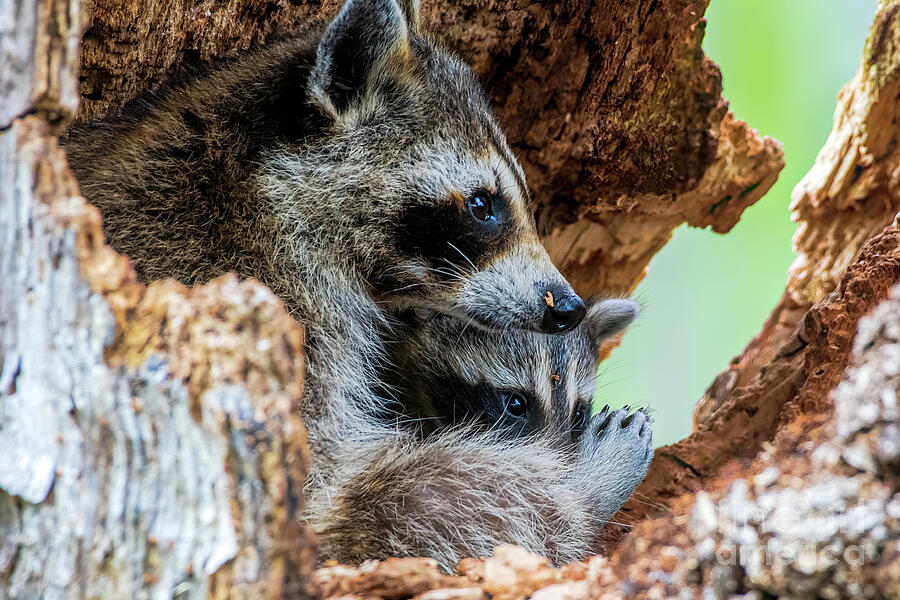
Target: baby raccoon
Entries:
(494, 444)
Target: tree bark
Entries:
(152, 432)
(848, 257)
(151, 437)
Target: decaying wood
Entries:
(38, 59)
(848, 258)
(790, 389)
(151, 434)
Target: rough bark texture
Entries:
(152, 436)
(848, 258)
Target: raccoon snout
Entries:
(564, 311)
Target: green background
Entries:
(706, 295)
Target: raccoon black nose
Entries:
(563, 312)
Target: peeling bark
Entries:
(736, 421)
(151, 436)
(853, 190)
(38, 60)
(848, 258)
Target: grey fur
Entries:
(329, 166)
(433, 356)
(311, 167)
(471, 484)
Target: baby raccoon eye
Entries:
(579, 420)
(479, 205)
(514, 404)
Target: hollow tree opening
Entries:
(618, 120)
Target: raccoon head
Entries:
(517, 383)
(436, 198)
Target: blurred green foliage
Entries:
(705, 295)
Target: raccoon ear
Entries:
(360, 40)
(608, 316)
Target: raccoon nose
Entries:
(563, 313)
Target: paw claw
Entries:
(610, 429)
(603, 424)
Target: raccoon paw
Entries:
(618, 431)
(615, 451)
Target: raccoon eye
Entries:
(479, 205)
(579, 420)
(514, 404)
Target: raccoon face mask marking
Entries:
(515, 383)
(471, 244)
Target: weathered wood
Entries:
(151, 437)
(38, 59)
(852, 192)
(848, 259)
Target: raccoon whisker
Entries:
(447, 272)
(422, 284)
(495, 426)
(463, 254)
(648, 501)
(406, 287)
(568, 250)
(461, 333)
(620, 524)
(415, 420)
(452, 269)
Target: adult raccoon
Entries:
(494, 445)
(354, 169)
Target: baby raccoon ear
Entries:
(608, 316)
(360, 40)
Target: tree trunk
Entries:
(151, 434)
